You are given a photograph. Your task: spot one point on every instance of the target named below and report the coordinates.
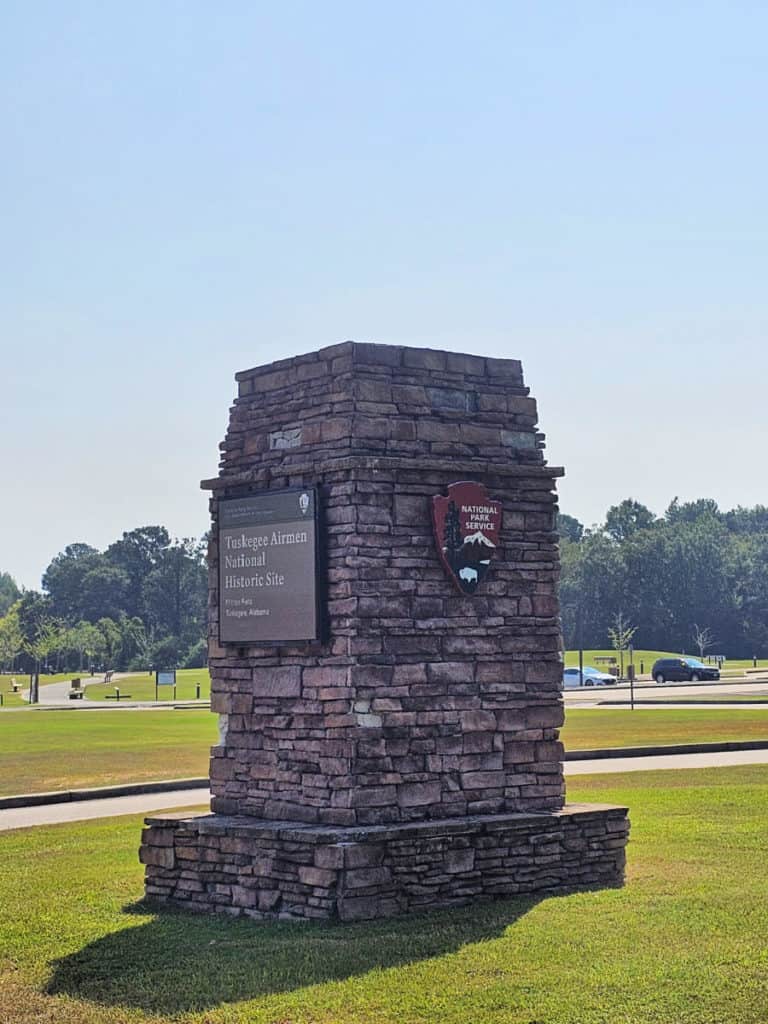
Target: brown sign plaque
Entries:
(268, 567)
(467, 529)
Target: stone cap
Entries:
(372, 354)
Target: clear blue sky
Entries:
(192, 188)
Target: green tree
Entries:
(9, 592)
(112, 638)
(747, 520)
(135, 642)
(626, 518)
(704, 571)
(138, 553)
(569, 527)
(175, 594)
(64, 580)
(591, 589)
(752, 591)
(34, 609)
(47, 641)
(104, 592)
(87, 641)
(11, 638)
(690, 511)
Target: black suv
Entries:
(683, 670)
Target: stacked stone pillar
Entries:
(410, 757)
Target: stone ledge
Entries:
(375, 463)
(242, 825)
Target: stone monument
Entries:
(384, 650)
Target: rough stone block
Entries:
(418, 794)
(321, 878)
(478, 721)
(278, 681)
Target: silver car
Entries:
(591, 677)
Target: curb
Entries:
(124, 705)
(66, 796)
(677, 748)
(683, 702)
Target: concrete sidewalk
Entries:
(710, 759)
(110, 807)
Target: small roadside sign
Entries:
(165, 677)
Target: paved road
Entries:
(23, 817)
(597, 696)
(58, 693)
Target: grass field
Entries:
(683, 943)
(142, 686)
(53, 750)
(588, 728)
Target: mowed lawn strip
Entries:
(141, 686)
(54, 750)
(593, 728)
(684, 941)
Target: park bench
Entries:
(76, 689)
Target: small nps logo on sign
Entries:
(467, 527)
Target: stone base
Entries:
(282, 869)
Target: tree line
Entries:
(693, 571)
(139, 603)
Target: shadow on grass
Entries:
(180, 962)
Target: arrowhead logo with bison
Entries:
(467, 525)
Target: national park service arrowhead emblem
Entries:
(467, 528)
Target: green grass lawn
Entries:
(52, 750)
(142, 687)
(682, 943)
(588, 728)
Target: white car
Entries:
(591, 677)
